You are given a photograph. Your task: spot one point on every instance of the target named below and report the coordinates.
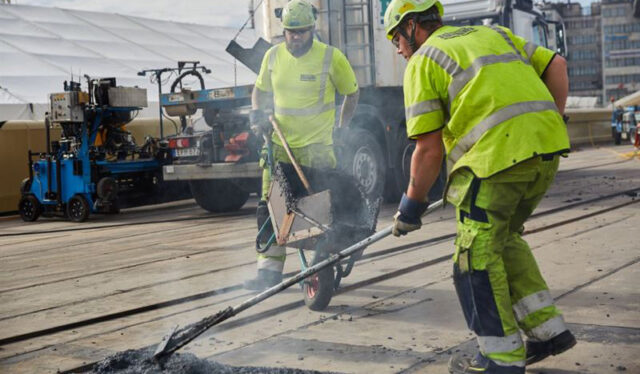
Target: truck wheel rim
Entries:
(364, 168)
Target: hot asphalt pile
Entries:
(141, 361)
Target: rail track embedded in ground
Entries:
(393, 251)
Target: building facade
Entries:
(584, 43)
(603, 42)
(621, 49)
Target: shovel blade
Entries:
(165, 340)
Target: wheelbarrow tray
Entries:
(337, 211)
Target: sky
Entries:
(206, 12)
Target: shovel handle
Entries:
(276, 127)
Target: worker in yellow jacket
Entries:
(495, 102)
(299, 79)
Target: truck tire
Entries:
(217, 195)
(399, 178)
(402, 172)
(363, 158)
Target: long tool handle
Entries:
(182, 337)
(276, 127)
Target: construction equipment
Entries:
(624, 124)
(178, 338)
(96, 160)
(219, 164)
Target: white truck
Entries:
(380, 153)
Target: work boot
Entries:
(459, 364)
(265, 279)
(538, 351)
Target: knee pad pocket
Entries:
(476, 239)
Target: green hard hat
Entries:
(398, 9)
(298, 14)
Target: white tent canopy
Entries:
(42, 47)
(629, 100)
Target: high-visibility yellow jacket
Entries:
(304, 91)
(481, 85)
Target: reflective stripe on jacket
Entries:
(304, 91)
(481, 85)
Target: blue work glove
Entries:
(259, 122)
(408, 217)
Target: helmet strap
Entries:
(417, 19)
(412, 36)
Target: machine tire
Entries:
(363, 158)
(107, 188)
(318, 288)
(218, 196)
(78, 208)
(29, 208)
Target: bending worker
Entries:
(496, 103)
(299, 79)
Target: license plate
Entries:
(187, 152)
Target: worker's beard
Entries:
(298, 49)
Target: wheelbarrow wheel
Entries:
(318, 288)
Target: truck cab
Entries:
(521, 16)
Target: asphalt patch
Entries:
(141, 361)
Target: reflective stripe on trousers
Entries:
(532, 303)
(547, 330)
(320, 106)
(273, 259)
(493, 346)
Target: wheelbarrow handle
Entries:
(276, 127)
(272, 238)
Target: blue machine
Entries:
(96, 160)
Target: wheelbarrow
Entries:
(319, 224)
(317, 211)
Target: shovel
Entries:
(177, 339)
